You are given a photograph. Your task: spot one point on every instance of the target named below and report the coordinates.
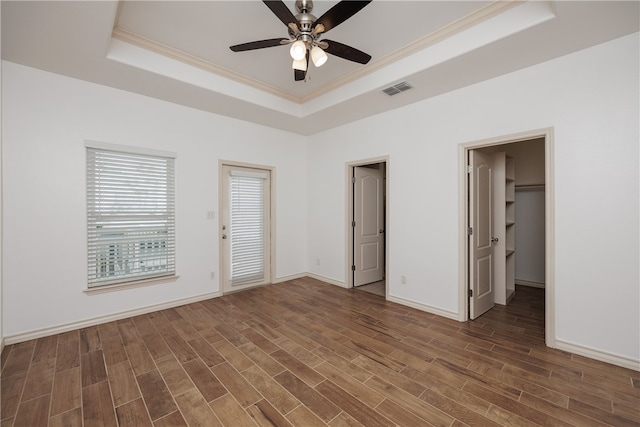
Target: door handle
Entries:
(381, 231)
(224, 236)
(494, 240)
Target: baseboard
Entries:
(529, 283)
(326, 279)
(291, 277)
(45, 332)
(614, 359)
(423, 307)
(1, 345)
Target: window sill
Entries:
(130, 285)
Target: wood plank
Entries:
(45, 349)
(174, 375)
(67, 391)
(10, 393)
(266, 415)
(410, 402)
(19, 359)
(97, 406)
(39, 380)
(133, 414)
(205, 381)
(230, 412)
(207, 353)
(174, 419)
(122, 380)
(196, 410)
(68, 355)
(275, 394)
(139, 357)
(93, 368)
(352, 406)
(313, 400)
(298, 368)
(240, 388)
(180, 348)
(90, 339)
(34, 412)
(302, 416)
(67, 419)
(156, 396)
(113, 350)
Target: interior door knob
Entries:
(494, 240)
(224, 236)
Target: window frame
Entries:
(143, 278)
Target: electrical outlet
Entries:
(211, 215)
(403, 279)
(213, 275)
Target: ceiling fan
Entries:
(305, 31)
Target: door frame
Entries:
(463, 224)
(272, 222)
(349, 166)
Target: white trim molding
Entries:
(591, 353)
(288, 278)
(58, 329)
(423, 307)
(339, 283)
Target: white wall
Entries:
(591, 100)
(46, 118)
(529, 232)
(1, 198)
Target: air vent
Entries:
(397, 88)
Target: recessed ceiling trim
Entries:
(153, 46)
(468, 21)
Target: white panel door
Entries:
(368, 212)
(480, 241)
(245, 228)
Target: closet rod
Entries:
(529, 187)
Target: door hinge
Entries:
(470, 293)
(353, 223)
(469, 168)
(353, 268)
(469, 231)
(353, 179)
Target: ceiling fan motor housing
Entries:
(305, 23)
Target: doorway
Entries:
(475, 266)
(245, 229)
(367, 226)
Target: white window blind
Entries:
(130, 216)
(246, 229)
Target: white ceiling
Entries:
(179, 51)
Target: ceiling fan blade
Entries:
(346, 52)
(337, 15)
(281, 11)
(299, 75)
(260, 44)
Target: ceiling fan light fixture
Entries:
(318, 56)
(299, 64)
(298, 50)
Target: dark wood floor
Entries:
(305, 353)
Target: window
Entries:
(130, 215)
(246, 226)
(246, 221)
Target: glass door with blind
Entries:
(245, 229)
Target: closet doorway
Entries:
(366, 226)
(507, 223)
